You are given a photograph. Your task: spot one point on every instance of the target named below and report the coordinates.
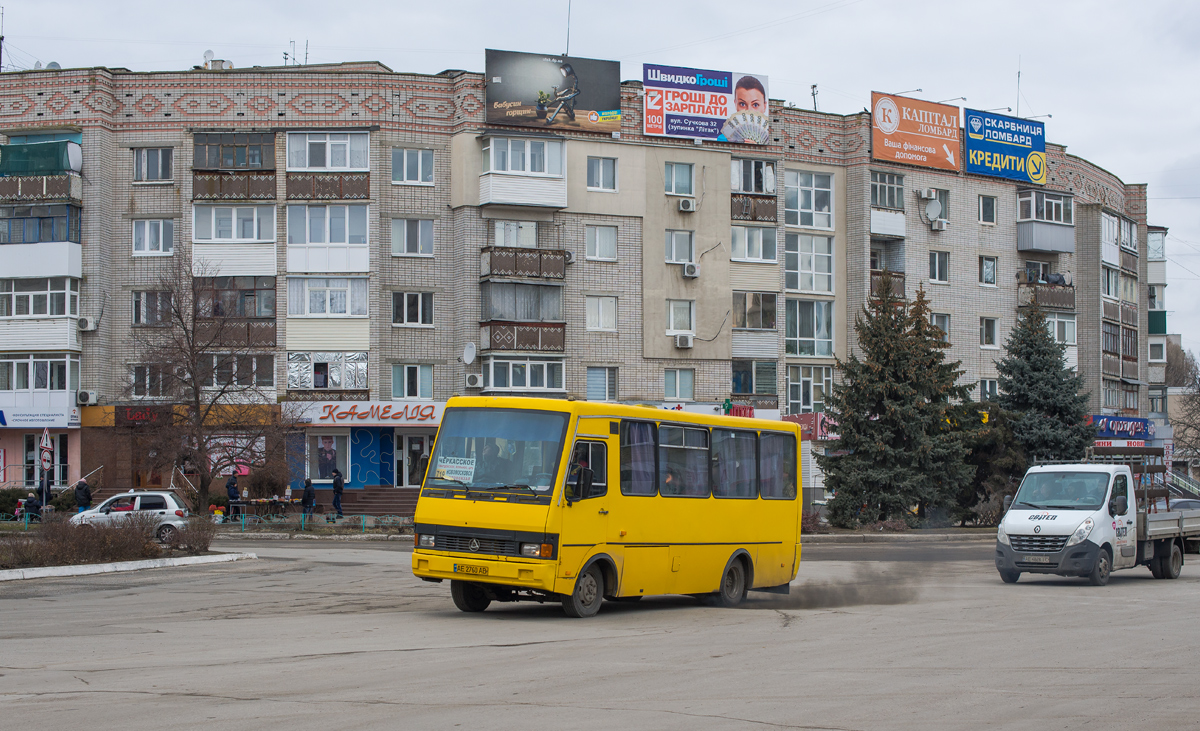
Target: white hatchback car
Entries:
(170, 513)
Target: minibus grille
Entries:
(1037, 544)
(485, 545)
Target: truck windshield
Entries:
(491, 449)
(1067, 490)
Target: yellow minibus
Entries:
(529, 499)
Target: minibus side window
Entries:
(682, 461)
(638, 442)
(777, 466)
(734, 464)
(593, 456)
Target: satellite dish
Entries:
(53, 65)
(208, 56)
(468, 355)
(933, 210)
(37, 66)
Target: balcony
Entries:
(237, 333)
(39, 333)
(328, 186)
(1044, 236)
(1129, 368)
(762, 208)
(1129, 314)
(1048, 296)
(41, 188)
(1129, 260)
(887, 224)
(327, 394)
(38, 409)
(1111, 310)
(43, 259)
(877, 283)
(507, 189)
(756, 400)
(233, 186)
(503, 261)
(523, 336)
(1110, 364)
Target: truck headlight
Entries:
(1002, 536)
(1081, 533)
(425, 541)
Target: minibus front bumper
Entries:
(527, 574)
(1077, 560)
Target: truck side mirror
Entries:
(1007, 502)
(1119, 506)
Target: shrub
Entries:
(196, 536)
(9, 498)
(58, 542)
(888, 526)
(810, 522)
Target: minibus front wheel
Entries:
(469, 597)
(587, 596)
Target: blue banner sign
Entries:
(1005, 147)
(1122, 427)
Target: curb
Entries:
(312, 537)
(897, 538)
(109, 568)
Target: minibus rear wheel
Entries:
(733, 584)
(469, 597)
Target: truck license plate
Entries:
(1037, 559)
(462, 568)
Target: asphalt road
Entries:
(327, 635)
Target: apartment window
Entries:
(602, 173)
(942, 322)
(520, 302)
(1038, 206)
(602, 384)
(887, 190)
(320, 151)
(151, 308)
(523, 156)
(808, 199)
(680, 247)
(754, 310)
(1158, 352)
(679, 384)
(238, 370)
(1129, 288)
(987, 270)
(234, 151)
(1131, 397)
(678, 178)
(326, 225)
(34, 224)
(412, 167)
(601, 242)
(809, 328)
(987, 209)
(241, 297)
(518, 234)
(332, 371)
(1156, 245)
(754, 377)
(1110, 250)
(681, 317)
(522, 374)
(987, 332)
(808, 388)
(939, 266)
(41, 297)
(1129, 235)
(601, 313)
(1112, 394)
(229, 224)
(1110, 338)
(753, 243)
(1062, 327)
(989, 389)
(1155, 300)
(943, 198)
(39, 372)
(1158, 401)
(752, 176)
(1110, 282)
(808, 263)
(1037, 271)
(412, 382)
(1129, 343)
(412, 237)
(151, 381)
(413, 309)
(876, 262)
(152, 164)
(153, 237)
(327, 296)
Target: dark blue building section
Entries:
(372, 459)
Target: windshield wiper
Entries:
(1032, 505)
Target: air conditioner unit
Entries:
(691, 271)
(570, 257)
(939, 224)
(474, 380)
(86, 324)
(683, 341)
(87, 398)
(929, 194)
(687, 205)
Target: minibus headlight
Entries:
(425, 541)
(1001, 535)
(531, 549)
(1081, 533)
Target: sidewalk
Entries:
(809, 538)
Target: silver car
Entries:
(171, 514)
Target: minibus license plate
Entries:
(1037, 559)
(462, 568)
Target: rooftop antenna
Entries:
(293, 52)
(1, 37)
(902, 93)
(568, 53)
(305, 51)
(814, 96)
(1018, 86)
(955, 99)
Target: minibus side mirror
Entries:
(1118, 506)
(1007, 502)
(583, 486)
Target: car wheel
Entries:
(469, 597)
(1102, 570)
(733, 584)
(1010, 577)
(587, 596)
(1172, 564)
(167, 533)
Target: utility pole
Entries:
(568, 53)
(814, 96)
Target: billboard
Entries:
(914, 132)
(1122, 427)
(705, 105)
(1005, 147)
(552, 92)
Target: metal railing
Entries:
(1184, 484)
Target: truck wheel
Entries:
(1010, 577)
(587, 596)
(1172, 564)
(1156, 567)
(468, 597)
(1102, 569)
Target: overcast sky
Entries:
(1119, 78)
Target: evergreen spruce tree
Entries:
(1051, 419)
(999, 465)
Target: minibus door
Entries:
(585, 516)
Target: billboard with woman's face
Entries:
(553, 92)
(710, 105)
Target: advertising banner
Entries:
(372, 413)
(35, 417)
(914, 132)
(705, 105)
(552, 92)
(1122, 427)
(1005, 147)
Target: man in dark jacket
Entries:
(32, 507)
(309, 501)
(231, 491)
(83, 495)
(338, 485)
(45, 493)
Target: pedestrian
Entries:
(46, 494)
(231, 491)
(309, 501)
(32, 508)
(338, 485)
(83, 495)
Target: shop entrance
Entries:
(411, 457)
(59, 470)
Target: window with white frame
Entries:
(808, 388)
(233, 224)
(1131, 396)
(1037, 271)
(808, 263)
(681, 317)
(520, 302)
(1110, 228)
(1038, 206)
(987, 332)
(808, 329)
(754, 310)
(754, 377)
(152, 164)
(939, 266)
(987, 270)
(523, 156)
(238, 370)
(1062, 327)
(412, 237)
(679, 384)
(1112, 394)
(943, 198)
(601, 242)
(332, 151)
(412, 309)
(602, 173)
(1129, 238)
(326, 370)
(153, 237)
(942, 322)
(677, 178)
(1129, 288)
(39, 297)
(601, 313)
(808, 199)
(1110, 282)
(327, 225)
(989, 389)
(519, 234)
(327, 297)
(1156, 299)
(151, 381)
(681, 247)
(752, 243)
(887, 190)
(752, 176)
(151, 309)
(1156, 245)
(39, 372)
(412, 167)
(522, 374)
(987, 209)
(1158, 351)
(601, 384)
(1158, 400)
(412, 381)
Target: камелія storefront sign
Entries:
(372, 413)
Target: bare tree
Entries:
(203, 347)
(1181, 365)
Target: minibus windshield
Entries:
(493, 449)
(1063, 490)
